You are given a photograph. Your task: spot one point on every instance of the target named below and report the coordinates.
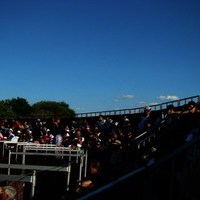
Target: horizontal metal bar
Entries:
(24, 178)
(47, 154)
(35, 167)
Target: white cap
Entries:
(147, 108)
(10, 191)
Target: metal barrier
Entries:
(176, 103)
(15, 146)
(40, 150)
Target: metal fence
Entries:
(161, 106)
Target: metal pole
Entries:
(9, 160)
(33, 184)
(80, 169)
(86, 156)
(23, 156)
(68, 175)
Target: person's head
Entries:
(94, 166)
(147, 110)
(170, 108)
(7, 193)
(192, 106)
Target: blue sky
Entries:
(99, 55)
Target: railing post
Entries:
(86, 157)
(33, 184)
(68, 175)
(9, 161)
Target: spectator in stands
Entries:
(101, 122)
(7, 193)
(169, 130)
(94, 180)
(1, 136)
(191, 121)
(146, 121)
(58, 140)
(79, 139)
(192, 106)
(109, 124)
(126, 125)
(171, 115)
(11, 134)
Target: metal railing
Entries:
(161, 106)
(28, 150)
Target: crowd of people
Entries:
(110, 143)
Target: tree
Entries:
(20, 107)
(6, 110)
(51, 109)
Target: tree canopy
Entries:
(20, 108)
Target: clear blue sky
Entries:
(99, 55)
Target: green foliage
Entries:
(51, 109)
(6, 110)
(20, 108)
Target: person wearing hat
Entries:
(145, 122)
(10, 134)
(7, 193)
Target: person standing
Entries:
(146, 121)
